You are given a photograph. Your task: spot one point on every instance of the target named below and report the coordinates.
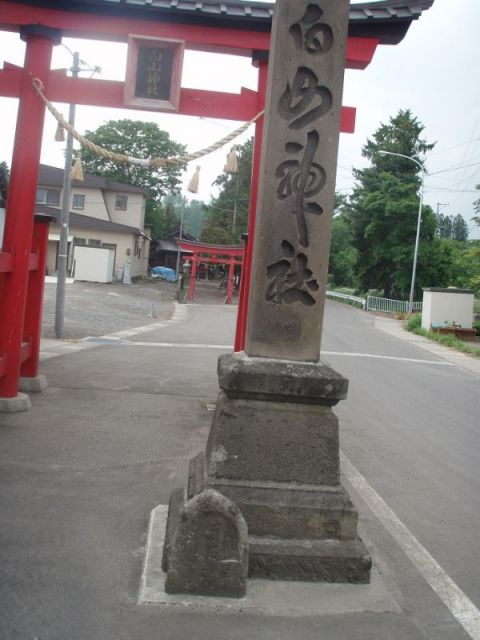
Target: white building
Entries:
(103, 214)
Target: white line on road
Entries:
(460, 606)
(179, 345)
(228, 347)
(380, 357)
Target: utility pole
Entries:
(179, 251)
(65, 216)
(237, 185)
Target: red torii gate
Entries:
(42, 24)
(222, 254)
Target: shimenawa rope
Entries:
(120, 157)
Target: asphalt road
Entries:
(112, 436)
(413, 430)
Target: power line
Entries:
(449, 190)
(456, 146)
(460, 166)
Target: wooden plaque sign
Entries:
(154, 70)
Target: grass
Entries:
(413, 324)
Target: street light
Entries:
(419, 221)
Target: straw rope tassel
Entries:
(77, 169)
(194, 181)
(232, 160)
(59, 133)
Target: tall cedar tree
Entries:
(232, 202)
(384, 209)
(140, 140)
(342, 258)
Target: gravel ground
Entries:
(93, 309)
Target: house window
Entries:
(121, 202)
(78, 201)
(94, 243)
(79, 241)
(137, 251)
(48, 196)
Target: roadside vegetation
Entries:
(413, 324)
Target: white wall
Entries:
(447, 308)
(95, 206)
(93, 264)
(125, 248)
(134, 216)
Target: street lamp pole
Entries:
(419, 221)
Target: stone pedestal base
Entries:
(273, 453)
(37, 384)
(21, 402)
(309, 560)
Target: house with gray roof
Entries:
(103, 214)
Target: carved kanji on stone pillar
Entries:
(273, 447)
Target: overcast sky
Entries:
(433, 72)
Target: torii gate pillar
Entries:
(20, 207)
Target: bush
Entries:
(414, 322)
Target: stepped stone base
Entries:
(283, 510)
(272, 463)
(309, 560)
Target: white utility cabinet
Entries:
(94, 264)
(447, 308)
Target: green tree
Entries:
(163, 219)
(138, 139)
(193, 213)
(452, 227)
(227, 214)
(459, 229)
(343, 256)
(444, 226)
(476, 208)
(194, 217)
(383, 208)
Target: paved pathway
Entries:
(112, 436)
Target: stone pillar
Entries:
(273, 449)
